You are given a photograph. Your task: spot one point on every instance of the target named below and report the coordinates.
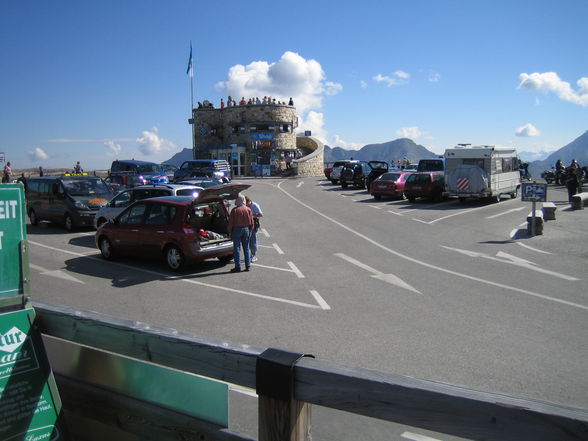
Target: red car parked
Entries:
(389, 184)
(425, 185)
(177, 228)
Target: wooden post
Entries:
(283, 420)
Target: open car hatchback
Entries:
(180, 229)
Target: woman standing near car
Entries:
(240, 227)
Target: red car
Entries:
(328, 169)
(178, 229)
(425, 185)
(389, 184)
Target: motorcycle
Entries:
(549, 176)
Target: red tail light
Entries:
(189, 230)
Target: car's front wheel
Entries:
(33, 217)
(106, 248)
(174, 258)
(68, 222)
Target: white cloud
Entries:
(332, 88)
(527, 130)
(38, 154)
(399, 77)
(115, 148)
(315, 122)
(363, 84)
(434, 77)
(550, 82)
(150, 143)
(338, 142)
(291, 76)
(409, 132)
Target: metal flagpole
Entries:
(190, 72)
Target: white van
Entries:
(482, 172)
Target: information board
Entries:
(29, 405)
(534, 192)
(13, 258)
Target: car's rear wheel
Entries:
(334, 181)
(174, 258)
(411, 198)
(225, 259)
(68, 222)
(344, 184)
(33, 217)
(377, 196)
(106, 248)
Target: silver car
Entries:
(126, 197)
(336, 172)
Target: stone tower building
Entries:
(256, 139)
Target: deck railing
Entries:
(430, 405)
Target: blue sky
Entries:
(95, 81)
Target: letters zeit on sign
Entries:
(12, 233)
(534, 192)
(7, 211)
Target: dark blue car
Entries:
(130, 172)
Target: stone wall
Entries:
(312, 163)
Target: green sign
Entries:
(29, 402)
(13, 262)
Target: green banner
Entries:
(29, 402)
(12, 239)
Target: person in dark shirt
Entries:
(240, 227)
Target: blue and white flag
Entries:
(190, 71)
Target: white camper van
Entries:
(482, 172)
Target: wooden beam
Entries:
(436, 406)
(217, 359)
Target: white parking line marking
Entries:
(324, 305)
(397, 214)
(56, 273)
(417, 437)
(180, 279)
(425, 264)
(505, 212)
(390, 278)
(273, 267)
(533, 249)
(376, 207)
(265, 233)
(295, 270)
(453, 214)
(300, 184)
(277, 248)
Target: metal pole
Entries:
(533, 218)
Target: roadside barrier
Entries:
(579, 201)
(287, 385)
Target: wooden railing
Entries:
(420, 403)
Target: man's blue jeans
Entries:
(240, 237)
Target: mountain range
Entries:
(577, 149)
(404, 148)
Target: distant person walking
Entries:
(240, 227)
(7, 178)
(41, 172)
(78, 168)
(573, 181)
(256, 213)
(23, 181)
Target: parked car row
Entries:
(425, 180)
